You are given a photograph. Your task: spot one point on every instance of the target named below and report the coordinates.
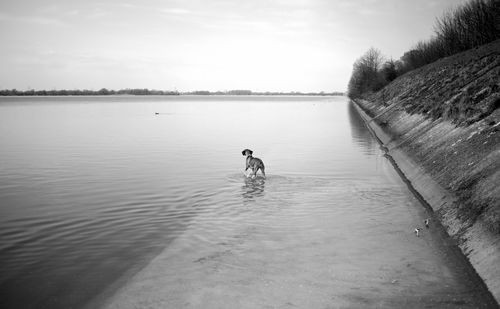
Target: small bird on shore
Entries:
(417, 231)
(157, 113)
(426, 221)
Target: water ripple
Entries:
(91, 191)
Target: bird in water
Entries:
(426, 221)
(417, 231)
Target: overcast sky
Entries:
(275, 45)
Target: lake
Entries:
(133, 202)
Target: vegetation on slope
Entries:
(471, 25)
(463, 88)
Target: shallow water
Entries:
(99, 195)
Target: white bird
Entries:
(417, 231)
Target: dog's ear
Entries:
(251, 152)
(243, 152)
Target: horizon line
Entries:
(146, 91)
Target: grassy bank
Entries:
(468, 26)
(438, 110)
(442, 83)
(445, 118)
(463, 92)
(463, 88)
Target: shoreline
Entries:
(477, 244)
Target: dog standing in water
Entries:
(254, 163)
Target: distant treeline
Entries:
(104, 91)
(475, 23)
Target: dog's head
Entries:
(246, 152)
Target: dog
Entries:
(255, 164)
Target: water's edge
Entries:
(433, 196)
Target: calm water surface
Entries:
(92, 189)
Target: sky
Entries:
(185, 45)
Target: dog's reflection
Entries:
(253, 188)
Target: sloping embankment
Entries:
(441, 124)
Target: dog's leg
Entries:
(263, 172)
(254, 170)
